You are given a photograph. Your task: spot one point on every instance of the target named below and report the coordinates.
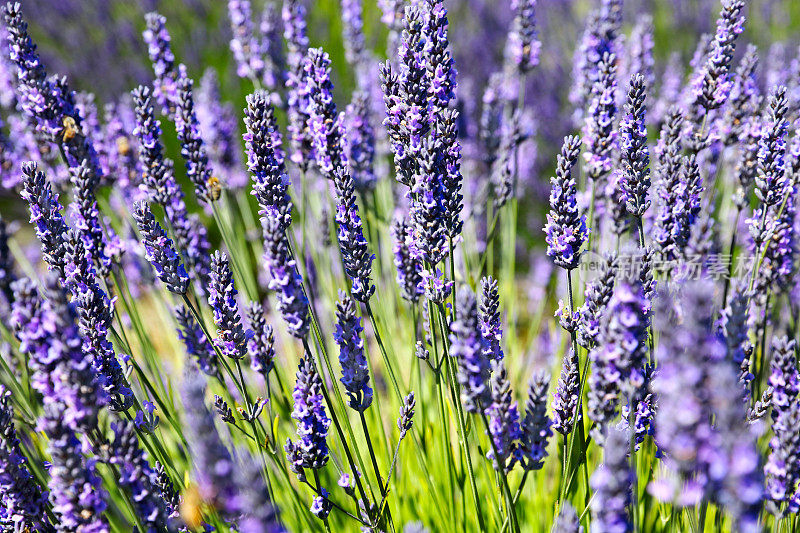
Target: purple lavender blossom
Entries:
(745, 98)
(356, 256)
(22, 498)
(596, 298)
(262, 343)
(265, 158)
(220, 131)
(159, 49)
(468, 348)
(214, 469)
(353, 33)
(620, 356)
(231, 335)
(567, 520)
(359, 139)
(639, 53)
(311, 449)
(294, 31)
(195, 342)
(612, 484)
(712, 86)
(489, 317)
(355, 371)
(599, 134)
(783, 467)
(86, 214)
(245, 45)
(566, 227)
(51, 229)
(7, 273)
(565, 398)
(522, 46)
(207, 187)
(438, 58)
(504, 426)
(771, 178)
(156, 171)
(536, 425)
(635, 155)
(159, 250)
(407, 262)
(76, 491)
(284, 277)
(406, 419)
(323, 121)
(138, 477)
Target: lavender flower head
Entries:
(159, 49)
(771, 177)
(489, 316)
(504, 426)
(356, 256)
(323, 122)
(566, 227)
(311, 448)
(45, 216)
(536, 425)
(355, 371)
(712, 87)
(360, 142)
(206, 186)
(407, 262)
(599, 134)
(265, 157)
(262, 343)
(284, 277)
(195, 342)
(612, 483)
(565, 399)
(159, 250)
(244, 44)
(522, 47)
(468, 347)
(620, 357)
(22, 498)
(231, 335)
(635, 183)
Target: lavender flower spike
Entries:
(489, 316)
(522, 47)
(156, 171)
(771, 179)
(612, 484)
(285, 279)
(311, 449)
(159, 49)
(231, 335)
(468, 347)
(23, 501)
(566, 227)
(355, 371)
(409, 266)
(75, 488)
(195, 342)
(536, 426)
(565, 399)
(45, 215)
(504, 427)
(159, 250)
(635, 182)
(262, 344)
(265, 157)
(360, 142)
(323, 122)
(207, 187)
(356, 256)
(244, 44)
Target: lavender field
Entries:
(399, 266)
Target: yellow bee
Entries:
(214, 188)
(70, 129)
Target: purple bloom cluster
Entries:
(783, 466)
(231, 335)
(620, 356)
(536, 425)
(566, 227)
(612, 484)
(245, 46)
(51, 229)
(504, 424)
(635, 182)
(195, 342)
(468, 347)
(207, 187)
(294, 31)
(566, 397)
(159, 250)
(359, 142)
(489, 316)
(159, 49)
(712, 85)
(407, 262)
(21, 497)
(311, 448)
(265, 158)
(284, 277)
(262, 343)
(596, 298)
(355, 371)
(522, 46)
(356, 256)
